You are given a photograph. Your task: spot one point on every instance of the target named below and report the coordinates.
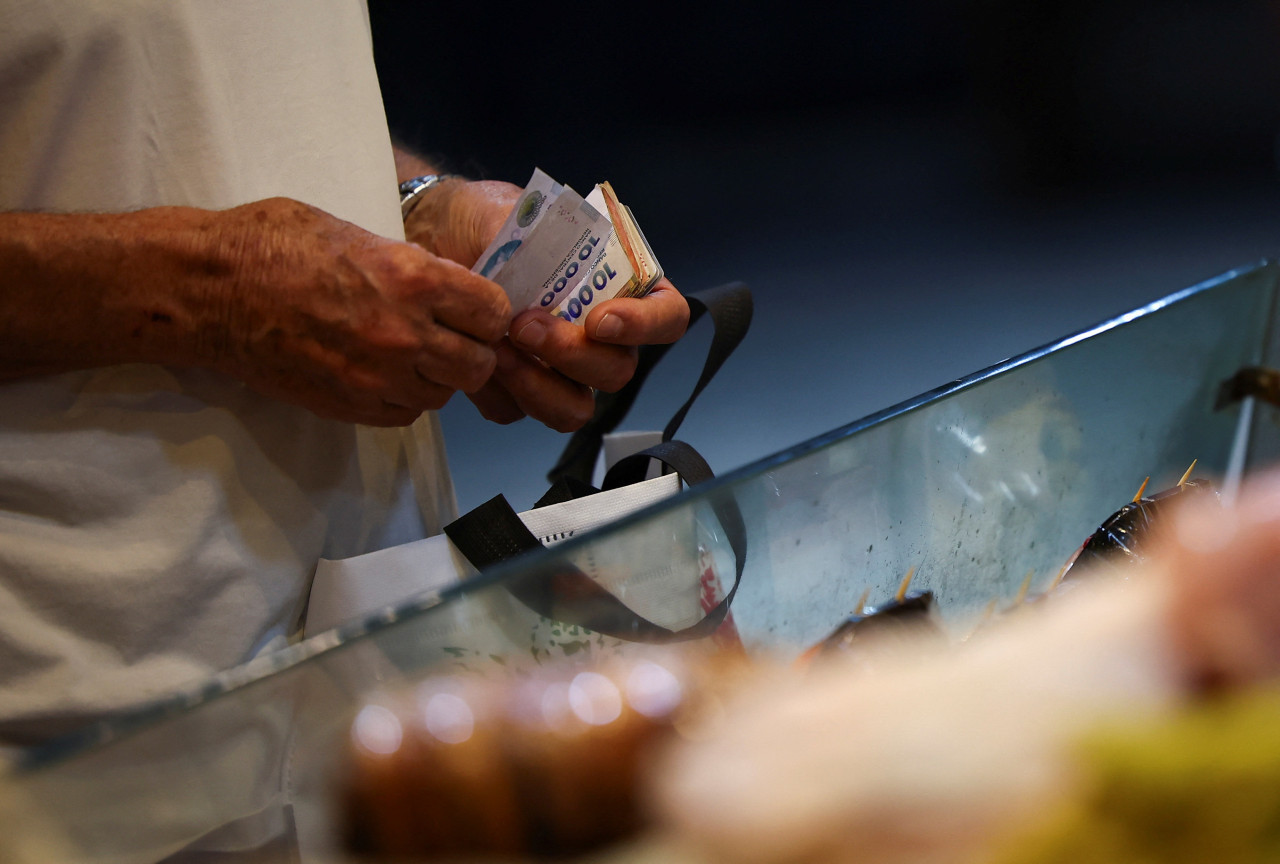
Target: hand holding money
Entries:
(548, 364)
(556, 363)
(566, 254)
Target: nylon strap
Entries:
(493, 532)
(730, 309)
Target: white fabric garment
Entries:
(160, 524)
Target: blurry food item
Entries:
(944, 757)
(879, 631)
(545, 766)
(1202, 784)
(968, 755)
(923, 757)
(428, 776)
(1116, 549)
(1123, 539)
(1223, 568)
(993, 615)
(1121, 542)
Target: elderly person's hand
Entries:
(296, 303)
(546, 367)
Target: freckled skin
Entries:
(297, 304)
(309, 309)
(551, 380)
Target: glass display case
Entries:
(976, 485)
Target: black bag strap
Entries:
(729, 307)
(676, 455)
(493, 532)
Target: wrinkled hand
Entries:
(348, 324)
(458, 218)
(546, 367)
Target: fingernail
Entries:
(532, 335)
(610, 325)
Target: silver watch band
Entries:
(411, 190)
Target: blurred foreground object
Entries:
(1110, 723)
(546, 765)
(871, 632)
(1202, 784)
(949, 758)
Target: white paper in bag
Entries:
(350, 589)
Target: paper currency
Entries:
(553, 250)
(566, 254)
(638, 251)
(520, 222)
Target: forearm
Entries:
(293, 301)
(87, 290)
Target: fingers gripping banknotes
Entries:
(565, 253)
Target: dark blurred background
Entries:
(914, 190)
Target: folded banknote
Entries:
(565, 253)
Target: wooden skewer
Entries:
(1057, 580)
(862, 602)
(1185, 477)
(1142, 488)
(906, 582)
(988, 612)
(1023, 589)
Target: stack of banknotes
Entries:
(567, 254)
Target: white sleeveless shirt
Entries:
(160, 524)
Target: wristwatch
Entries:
(412, 190)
